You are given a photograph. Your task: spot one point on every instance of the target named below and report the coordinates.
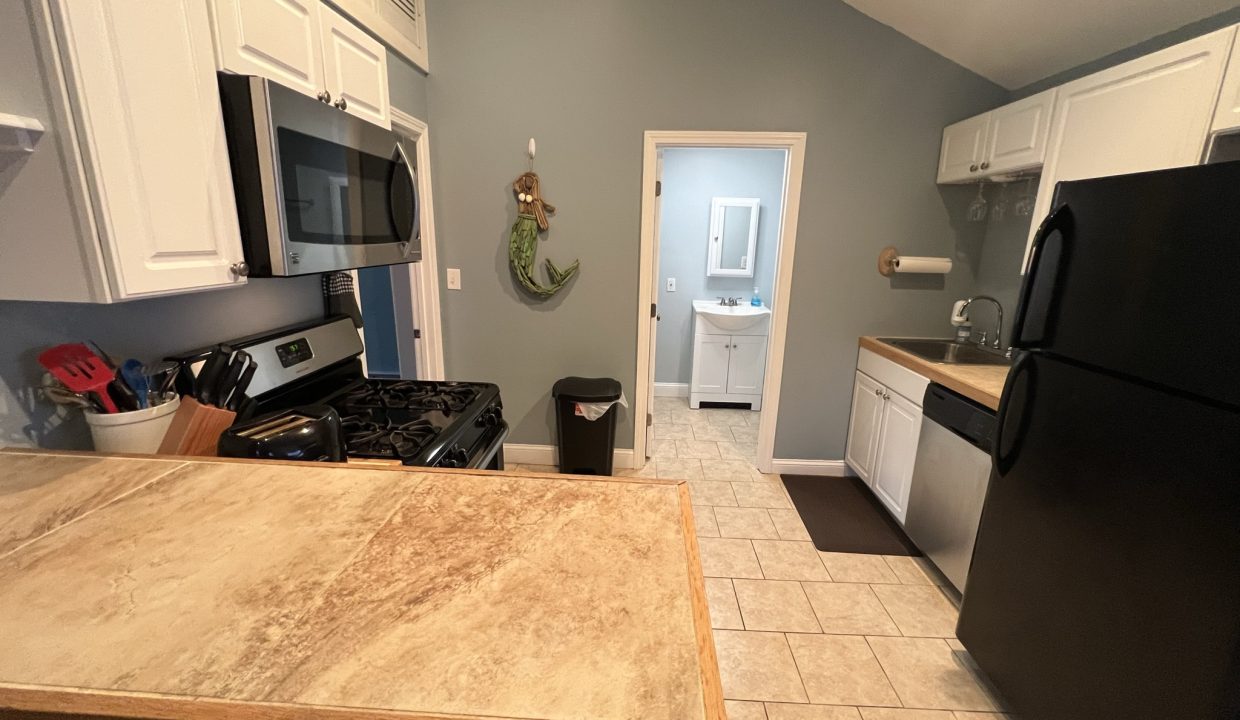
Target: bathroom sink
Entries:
(949, 351)
(731, 317)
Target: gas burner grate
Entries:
(413, 394)
(368, 436)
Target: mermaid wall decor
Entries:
(523, 241)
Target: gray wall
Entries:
(691, 178)
(586, 79)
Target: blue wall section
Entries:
(382, 357)
(691, 178)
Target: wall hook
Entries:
(531, 148)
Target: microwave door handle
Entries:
(414, 228)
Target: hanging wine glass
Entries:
(1024, 204)
(977, 208)
(1000, 207)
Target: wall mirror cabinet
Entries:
(733, 237)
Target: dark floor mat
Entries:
(842, 515)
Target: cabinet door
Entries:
(1151, 113)
(1227, 115)
(897, 447)
(275, 39)
(711, 354)
(747, 365)
(356, 68)
(964, 147)
(863, 423)
(147, 103)
(1017, 136)
(401, 24)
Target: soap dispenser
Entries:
(756, 300)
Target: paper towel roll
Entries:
(932, 265)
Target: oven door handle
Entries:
(408, 245)
(484, 459)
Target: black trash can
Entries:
(586, 446)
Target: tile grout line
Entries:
(795, 664)
(92, 511)
(879, 660)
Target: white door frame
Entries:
(423, 286)
(794, 143)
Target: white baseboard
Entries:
(522, 454)
(671, 389)
(831, 468)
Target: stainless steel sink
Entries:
(949, 351)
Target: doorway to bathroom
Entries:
(719, 214)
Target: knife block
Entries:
(196, 429)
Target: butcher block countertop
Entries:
(980, 383)
(203, 588)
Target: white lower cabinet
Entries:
(728, 368)
(898, 431)
(883, 429)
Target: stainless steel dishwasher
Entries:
(950, 477)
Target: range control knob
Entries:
(488, 418)
(456, 457)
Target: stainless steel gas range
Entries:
(414, 422)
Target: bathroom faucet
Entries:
(728, 302)
(998, 316)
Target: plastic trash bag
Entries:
(594, 411)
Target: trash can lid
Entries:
(587, 389)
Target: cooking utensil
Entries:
(228, 381)
(243, 383)
(160, 378)
(209, 376)
(81, 371)
(61, 395)
(133, 375)
(121, 393)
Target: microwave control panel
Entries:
(293, 352)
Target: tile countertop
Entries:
(980, 383)
(210, 588)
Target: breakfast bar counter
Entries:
(205, 588)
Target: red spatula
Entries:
(80, 370)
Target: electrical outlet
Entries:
(454, 278)
(671, 284)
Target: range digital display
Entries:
(293, 352)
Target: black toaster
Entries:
(310, 432)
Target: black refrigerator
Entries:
(1105, 581)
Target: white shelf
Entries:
(19, 134)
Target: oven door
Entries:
(346, 191)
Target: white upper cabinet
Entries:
(399, 23)
(140, 80)
(964, 147)
(1016, 139)
(1227, 115)
(1151, 113)
(309, 47)
(1006, 140)
(276, 39)
(355, 65)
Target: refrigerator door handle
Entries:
(1015, 401)
(1032, 327)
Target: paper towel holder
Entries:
(890, 262)
(887, 261)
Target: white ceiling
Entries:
(1016, 42)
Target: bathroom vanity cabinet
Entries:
(729, 354)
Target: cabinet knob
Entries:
(342, 103)
(325, 96)
(972, 168)
(986, 165)
(240, 269)
(878, 392)
(886, 396)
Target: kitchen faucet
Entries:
(998, 320)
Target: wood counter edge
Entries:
(211, 460)
(929, 369)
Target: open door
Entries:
(654, 302)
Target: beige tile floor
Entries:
(803, 634)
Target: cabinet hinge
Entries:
(658, 188)
(417, 334)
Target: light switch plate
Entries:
(454, 278)
(671, 284)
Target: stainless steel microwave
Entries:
(317, 189)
